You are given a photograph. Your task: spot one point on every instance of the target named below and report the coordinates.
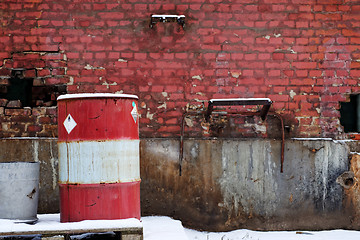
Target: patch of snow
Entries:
(167, 16)
(355, 153)
(291, 50)
(244, 234)
(292, 94)
(198, 77)
(163, 228)
(51, 222)
(312, 139)
(162, 106)
(236, 74)
(345, 140)
(241, 99)
(89, 67)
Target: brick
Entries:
(222, 72)
(282, 65)
(169, 129)
(280, 82)
(181, 55)
(171, 121)
(99, 6)
(17, 112)
(304, 65)
(329, 2)
(288, 73)
(34, 128)
(100, 55)
(163, 64)
(334, 64)
(279, 98)
(315, 73)
(140, 56)
(111, 15)
(177, 96)
(3, 102)
(168, 7)
(14, 104)
(154, 6)
(328, 17)
(18, 39)
(302, 24)
(250, 56)
(355, 73)
(274, 73)
(248, 73)
(278, 56)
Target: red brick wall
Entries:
(303, 54)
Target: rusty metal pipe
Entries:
(282, 139)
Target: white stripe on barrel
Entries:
(121, 161)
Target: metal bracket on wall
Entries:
(266, 102)
(180, 19)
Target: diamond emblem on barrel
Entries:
(69, 124)
(134, 112)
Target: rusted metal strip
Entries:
(264, 111)
(282, 139)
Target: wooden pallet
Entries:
(124, 229)
(121, 233)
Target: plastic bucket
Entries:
(19, 191)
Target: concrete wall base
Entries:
(225, 183)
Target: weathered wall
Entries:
(228, 184)
(225, 183)
(303, 54)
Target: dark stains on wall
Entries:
(230, 184)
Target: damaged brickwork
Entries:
(30, 82)
(303, 55)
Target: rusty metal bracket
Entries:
(180, 19)
(266, 102)
(232, 102)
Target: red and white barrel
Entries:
(99, 172)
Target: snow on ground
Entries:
(52, 222)
(161, 228)
(166, 228)
(284, 235)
